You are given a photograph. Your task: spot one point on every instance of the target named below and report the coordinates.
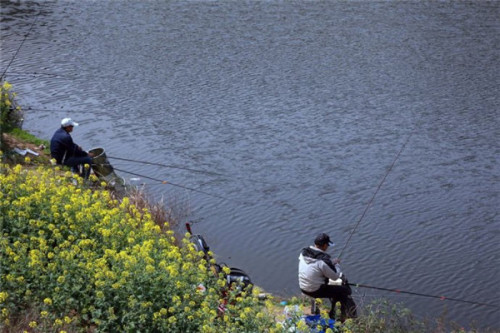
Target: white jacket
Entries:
(313, 271)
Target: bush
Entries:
(10, 114)
(85, 261)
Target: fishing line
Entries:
(377, 190)
(167, 166)
(30, 108)
(198, 171)
(44, 74)
(21, 45)
(443, 298)
(176, 185)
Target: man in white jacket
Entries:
(318, 276)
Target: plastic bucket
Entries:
(100, 163)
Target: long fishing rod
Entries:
(443, 298)
(377, 190)
(176, 185)
(194, 170)
(21, 45)
(399, 291)
(44, 74)
(166, 166)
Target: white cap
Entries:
(68, 122)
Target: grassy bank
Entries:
(80, 258)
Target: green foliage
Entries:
(10, 114)
(382, 316)
(89, 262)
(28, 137)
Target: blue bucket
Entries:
(313, 321)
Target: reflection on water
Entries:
(298, 110)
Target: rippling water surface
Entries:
(298, 110)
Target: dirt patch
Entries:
(10, 142)
(13, 142)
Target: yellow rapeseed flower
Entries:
(302, 326)
(6, 85)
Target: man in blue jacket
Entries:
(66, 152)
(320, 277)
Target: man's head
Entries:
(68, 124)
(322, 241)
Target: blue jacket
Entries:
(62, 147)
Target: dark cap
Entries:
(323, 239)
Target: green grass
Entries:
(28, 137)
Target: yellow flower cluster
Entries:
(10, 114)
(85, 258)
(4, 93)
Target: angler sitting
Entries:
(66, 152)
(318, 276)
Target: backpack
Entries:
(239, 279)
(236, 278)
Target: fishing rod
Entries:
(29, 108)
(399, 291)
(44, 74)
(176, 185)
(443, 298)
(20, 45)
(39, 109)
(195, 170)
(377, 190)
(166, 166)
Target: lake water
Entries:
(297, 110)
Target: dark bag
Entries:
(238, 279)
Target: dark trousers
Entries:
(78, 162)
(336, 294)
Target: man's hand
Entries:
(344, 279)
(336, 261)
